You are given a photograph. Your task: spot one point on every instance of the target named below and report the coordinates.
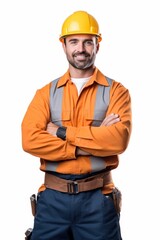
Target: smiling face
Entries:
(81, 50)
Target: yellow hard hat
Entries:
(80, 22)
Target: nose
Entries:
(81, 47)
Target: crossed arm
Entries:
(109, 120)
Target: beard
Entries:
(81, 60)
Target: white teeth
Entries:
(80, 57)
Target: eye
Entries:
(89, 43)
(73, 42)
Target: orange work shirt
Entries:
(104, 143)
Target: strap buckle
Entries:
(72, 187)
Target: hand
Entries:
(110, 119)
(52, 128)
(80, 152)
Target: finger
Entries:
(107, 119)
(49, 124)
(110, 119)
(113, 121)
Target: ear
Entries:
(98, 46)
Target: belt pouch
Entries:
(117, 199)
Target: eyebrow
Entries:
(76, 39)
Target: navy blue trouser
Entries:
(83, 216)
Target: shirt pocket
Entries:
(58, 118)
(95, 119)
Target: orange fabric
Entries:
(78, 111)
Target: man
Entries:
(78, 125)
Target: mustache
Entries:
(81, 53)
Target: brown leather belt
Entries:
(81, 185)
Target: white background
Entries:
(31, 56)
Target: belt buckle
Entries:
(72, 187)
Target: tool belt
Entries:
(77, 186)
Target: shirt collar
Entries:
(64, 79)
(96, 77)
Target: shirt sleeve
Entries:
(35, 139)
(107, 140)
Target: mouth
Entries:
(81, 57)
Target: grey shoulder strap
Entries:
(55, 100)
(109, 80)
(53, 85)
(101, 102)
